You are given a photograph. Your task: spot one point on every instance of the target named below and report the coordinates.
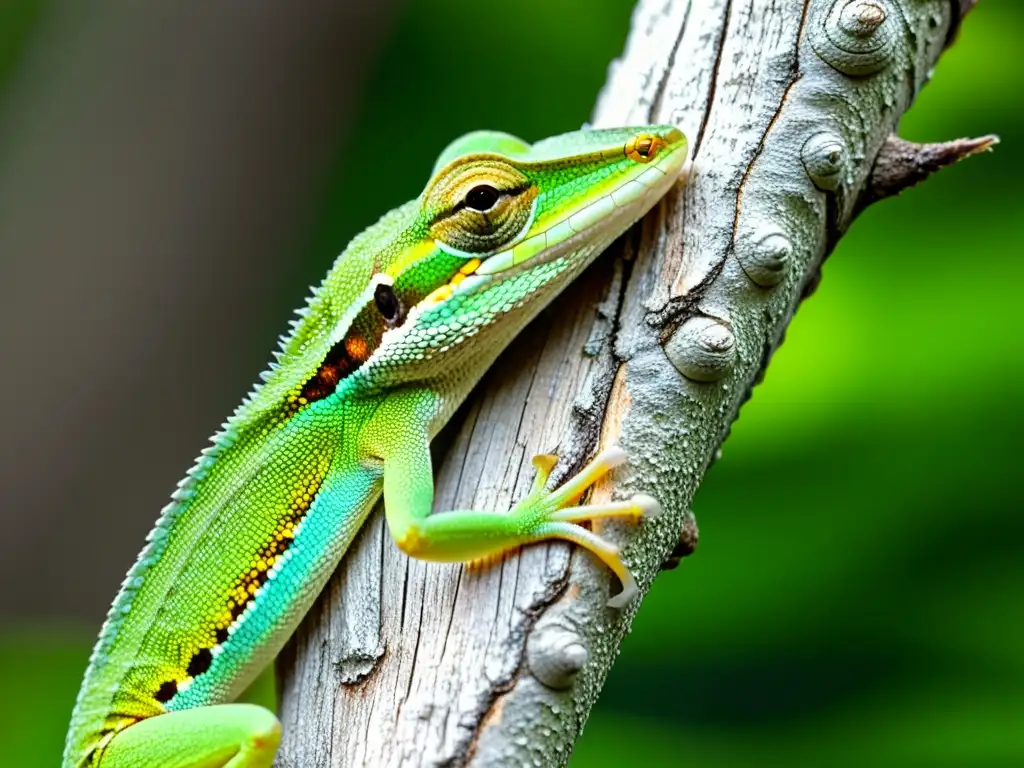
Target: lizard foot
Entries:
(556, 514)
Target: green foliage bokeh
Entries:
(856, 597)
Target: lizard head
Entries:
(502, 226)
(438, 286)
(506, 208)
(512, 207)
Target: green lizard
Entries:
(405, 323)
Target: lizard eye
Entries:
(643, 147)
(479, 207)
(387, 303)
(482, 197)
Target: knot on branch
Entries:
(686, 545)
(766, 259)
(901, 164)
(557, 655)
(702, 349)
(857, 37)
(824, 157)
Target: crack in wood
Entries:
(715, 68)
(659, 94)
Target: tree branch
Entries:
(901, 164)
(656, 348)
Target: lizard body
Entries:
(403, 326)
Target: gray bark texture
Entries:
(787, 106)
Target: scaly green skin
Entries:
(405, 323)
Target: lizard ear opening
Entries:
(387, 302)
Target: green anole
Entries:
(407, 320)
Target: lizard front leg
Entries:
(399, 436)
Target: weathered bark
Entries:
(787, 106)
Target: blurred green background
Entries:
(857, 595)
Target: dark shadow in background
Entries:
(157, 172)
